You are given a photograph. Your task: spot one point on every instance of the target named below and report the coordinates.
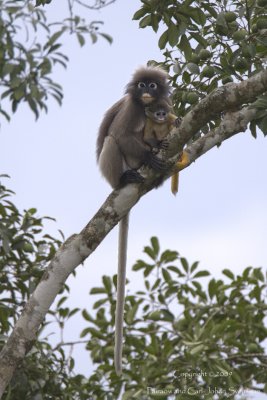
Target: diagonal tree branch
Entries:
(78, 247)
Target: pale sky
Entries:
(219, 215)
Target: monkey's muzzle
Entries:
(146, 98)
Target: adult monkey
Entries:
(121, 150)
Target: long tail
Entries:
(175, 183)
(122, 259)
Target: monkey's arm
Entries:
(105, 125)
(137, 154)
(172, 118)
(154, 134)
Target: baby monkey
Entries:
(159, 123)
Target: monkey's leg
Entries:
(121, 279)
(136, 154)
(182, 163)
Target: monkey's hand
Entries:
(163, 144)
(177, 122)
(155, 162)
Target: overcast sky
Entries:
(219, 215)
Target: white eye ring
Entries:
(153, 85)
(141, 85)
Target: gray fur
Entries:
(121, 147)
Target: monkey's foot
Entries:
(155, 162)
(131, 176)
(183, 161)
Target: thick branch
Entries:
(228, 97)
(78, 247)
(232, 123)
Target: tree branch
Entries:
(78, 247)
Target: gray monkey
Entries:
(121, 151)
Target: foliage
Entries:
(180, 336)
(46, 372)
(30, 48)
(207, 44)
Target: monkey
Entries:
(121, 151)
(159, 123)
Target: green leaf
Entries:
(176, 270)
(140, 13)
(253, 129)
(169, 256)
(212, 288)
(93, 37)
(185, 46)
(194, 266)
(167, 315)
(154, 315)
(81, 39)
(200, 39)
(97, 290)
(198, 16)
(201, 274)
(262, 124)
(155, 244)
(166, 275)
(186, 78)
(107, 283)
(148, 270)
(163, 40)
(228, 273)
(54, 38)
(61, 301)
(185, 264)
(197, 349)
(146, 21)
(107, 37)
(87, 316)
(130, 315)
(155, 22)
(5, 114)
(150, 252)
(156, 284)
(99, 303)
(173, 34)
(258, 274)
(140, 264)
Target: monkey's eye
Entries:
(153, 85)
(141, 85)
(161, 114)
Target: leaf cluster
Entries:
(31, 48)
(207, 44)
(47, 372)
(24, 252)
(181, 336)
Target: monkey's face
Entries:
(149, 85)
(160, 116)
(147, 92)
